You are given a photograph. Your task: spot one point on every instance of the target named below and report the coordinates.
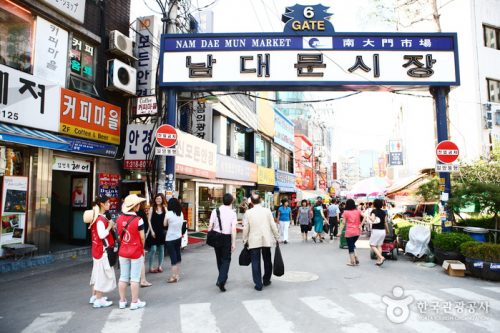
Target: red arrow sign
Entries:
(166, 136)
(447, 151)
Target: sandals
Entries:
(160, 269)
(153, 270)
(380, 263)
(173, 279)
(146, 284)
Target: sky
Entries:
(362, 122)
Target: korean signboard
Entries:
(109, 185)
(145, 106)
(82, 58)
(195, 157)
(89, 118)
(70, 164)
(138, 146)
(51, 52)
(308, 56)
(283, 130)
(74, 9)
(148, 33)
(202, 121)
(285, 181)
(28, 100)
(233, 168)
(265, 176)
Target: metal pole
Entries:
(440, 95)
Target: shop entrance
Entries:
(70, 198)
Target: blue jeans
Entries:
(161, 255)
(268, 265)
(174, 250)
(223, 256)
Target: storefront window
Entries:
(262, 152)
(11, 161)
(242, 143)
(16, 36)
(210, 197)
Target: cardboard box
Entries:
(454, 267)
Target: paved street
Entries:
(318, 294)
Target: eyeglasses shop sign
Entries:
(195, 156)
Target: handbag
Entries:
(112, 252)
(245, 259)
(215, 238)
(278, 265)
(309, 226)
(326, 228)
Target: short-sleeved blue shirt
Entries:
(285, 213)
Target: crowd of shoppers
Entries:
(146, 232)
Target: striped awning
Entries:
(31, 137)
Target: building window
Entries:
(493, 90)
(242, 138)
(16, 37)
(262, 152)
(491, 37)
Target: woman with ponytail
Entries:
(103, 277)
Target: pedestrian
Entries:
(333, 219)
(283, 220)
(144, 216)
(258, 229)
(173, 221)
(318, 220)
(378, 221)
(304, 219)
(228, 222)
(156, 238)
(131, 253)
(103, 278)
(352, 219)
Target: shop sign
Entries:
(304, 177)
(138, 145)
(145, 106)
(91, 147)
(265, 113)
(303, 151)
(28, 100)
(233, 168)
(13, 210)
(285, 179)
(195, 157)
(395, 146)
(202, 121)
(147, 34)
(74, 9)
(265, 176)
(395, 158)
(89, 118)
(283, 130)
(51, 52)
(70, 164)
(109, 185)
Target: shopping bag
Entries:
(278, 265)
(245, 259)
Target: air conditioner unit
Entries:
(121, 77)
(121, 44)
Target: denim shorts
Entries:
(130, 269)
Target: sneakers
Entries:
(137, 305)
(93, 299)
(122, 305)
(102, 303)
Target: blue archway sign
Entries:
(310, 56)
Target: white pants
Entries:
(284, 225)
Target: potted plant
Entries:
(447, 246)
(482, 259)
(403, 236)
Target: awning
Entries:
(43, 139)
(284, 189)
(406, 183)
(31, 137)
(311, 194)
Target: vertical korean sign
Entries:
(308, 56)
(89, 118)
(146, 44)
(14, 208)
(109, 185)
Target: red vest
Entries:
(97, 244)
(131, 246)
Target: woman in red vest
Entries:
(131, 253)
(103, 277)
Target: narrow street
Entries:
(319, 293)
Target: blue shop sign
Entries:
(285, 182)
(232, 168)
(283, 131)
